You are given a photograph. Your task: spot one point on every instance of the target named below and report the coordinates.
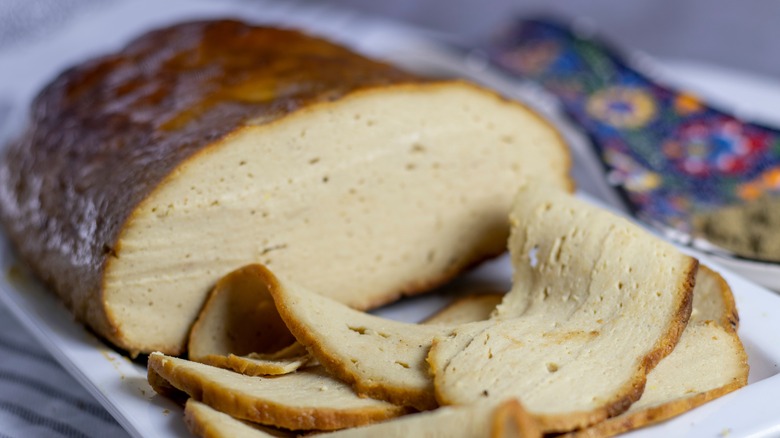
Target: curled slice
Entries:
(256, 365)
(305, 400)
(381, 358)
(596, 303)
(238, 318)
(708, 362)
(506, 420)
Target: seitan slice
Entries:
(381, 358)
(148, 174)
(239, 318)
(507, 420)
(239, 329)
(305, 400)
(596, 303)
(707, 363)
(206, 422)
(254, 365)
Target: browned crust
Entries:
(105, 134)
(420, 400)
(265, 412)
(511, 420)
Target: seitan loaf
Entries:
(147, 174)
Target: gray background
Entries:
(738, 34)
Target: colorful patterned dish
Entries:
(667, 154)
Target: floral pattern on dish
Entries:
(670, 155)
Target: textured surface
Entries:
(596, 303)
(300, 401)
(181, 138)
(104, 134)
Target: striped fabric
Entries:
(38, 398)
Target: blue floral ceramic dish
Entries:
(669, 155)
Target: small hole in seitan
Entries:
(325, 179)
(359, 330)
(620, 286)
(410, 166)
(403, 364)
(485, 393)
(242, 163)
(418, 148)
(314, 160)
(552, 367)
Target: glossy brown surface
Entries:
(104, 134)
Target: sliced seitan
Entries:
(381, 358)
(596, 303)
(507, 420)
(304, 400)
(148, 174)
(206, 422)
(708, 362)
(239, 318)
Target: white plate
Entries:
(120, 385)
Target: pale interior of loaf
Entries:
(384, 191)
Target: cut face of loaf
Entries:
(148, 174)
